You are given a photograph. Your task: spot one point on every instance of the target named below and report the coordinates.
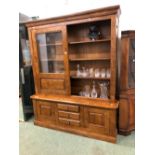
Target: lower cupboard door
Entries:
(46, 111)
(97, 120)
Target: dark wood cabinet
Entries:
(74, 64)
(127, 83)
(26, 80)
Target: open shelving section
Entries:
(89, 53)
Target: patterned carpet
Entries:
(35, 140)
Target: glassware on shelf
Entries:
(91, 72)
(81, 93)
(78, 73)
(108, 73)
(103, 73)
(84, 73)
(97, 73)
(48, 39)
(87, 72)
(94, 92)
(86, 92)
(103, 90)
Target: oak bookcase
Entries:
(58, 45)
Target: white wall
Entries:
(52, 8)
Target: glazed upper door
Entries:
(50, 51)
(131, 64)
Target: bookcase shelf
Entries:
(89, 59)
(89, 41)
(89, 78)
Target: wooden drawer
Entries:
(63, 114)
(74, 116)
(74, 123)
(73, 108)
(69, 115)
(63, 107)
(68, 122)
(66, 107)
(63, 121)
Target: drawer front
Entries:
(68, 122)
(74, 116)
(69, 115)
(74, 123)
(73, 108)
(66, 107)
(63, 114)
(63, 121)
(63, 107)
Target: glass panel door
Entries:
(131, 70)
(50, 52)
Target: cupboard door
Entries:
(97, 120)
(46, 111)
(131, 64)
(51, 58)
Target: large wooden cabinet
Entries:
(72, 56)
(127, 83)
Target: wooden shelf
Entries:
(56, 44)
(51, 60)
(89, 59)
(86, 78)
(89, 41)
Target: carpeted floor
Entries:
(35, 140)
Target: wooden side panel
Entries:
(127, 114)
(35, 109)
(66, 61)
(34, 59)
(132, 111)
(123, 114)
(113, 58)
(112, 123)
